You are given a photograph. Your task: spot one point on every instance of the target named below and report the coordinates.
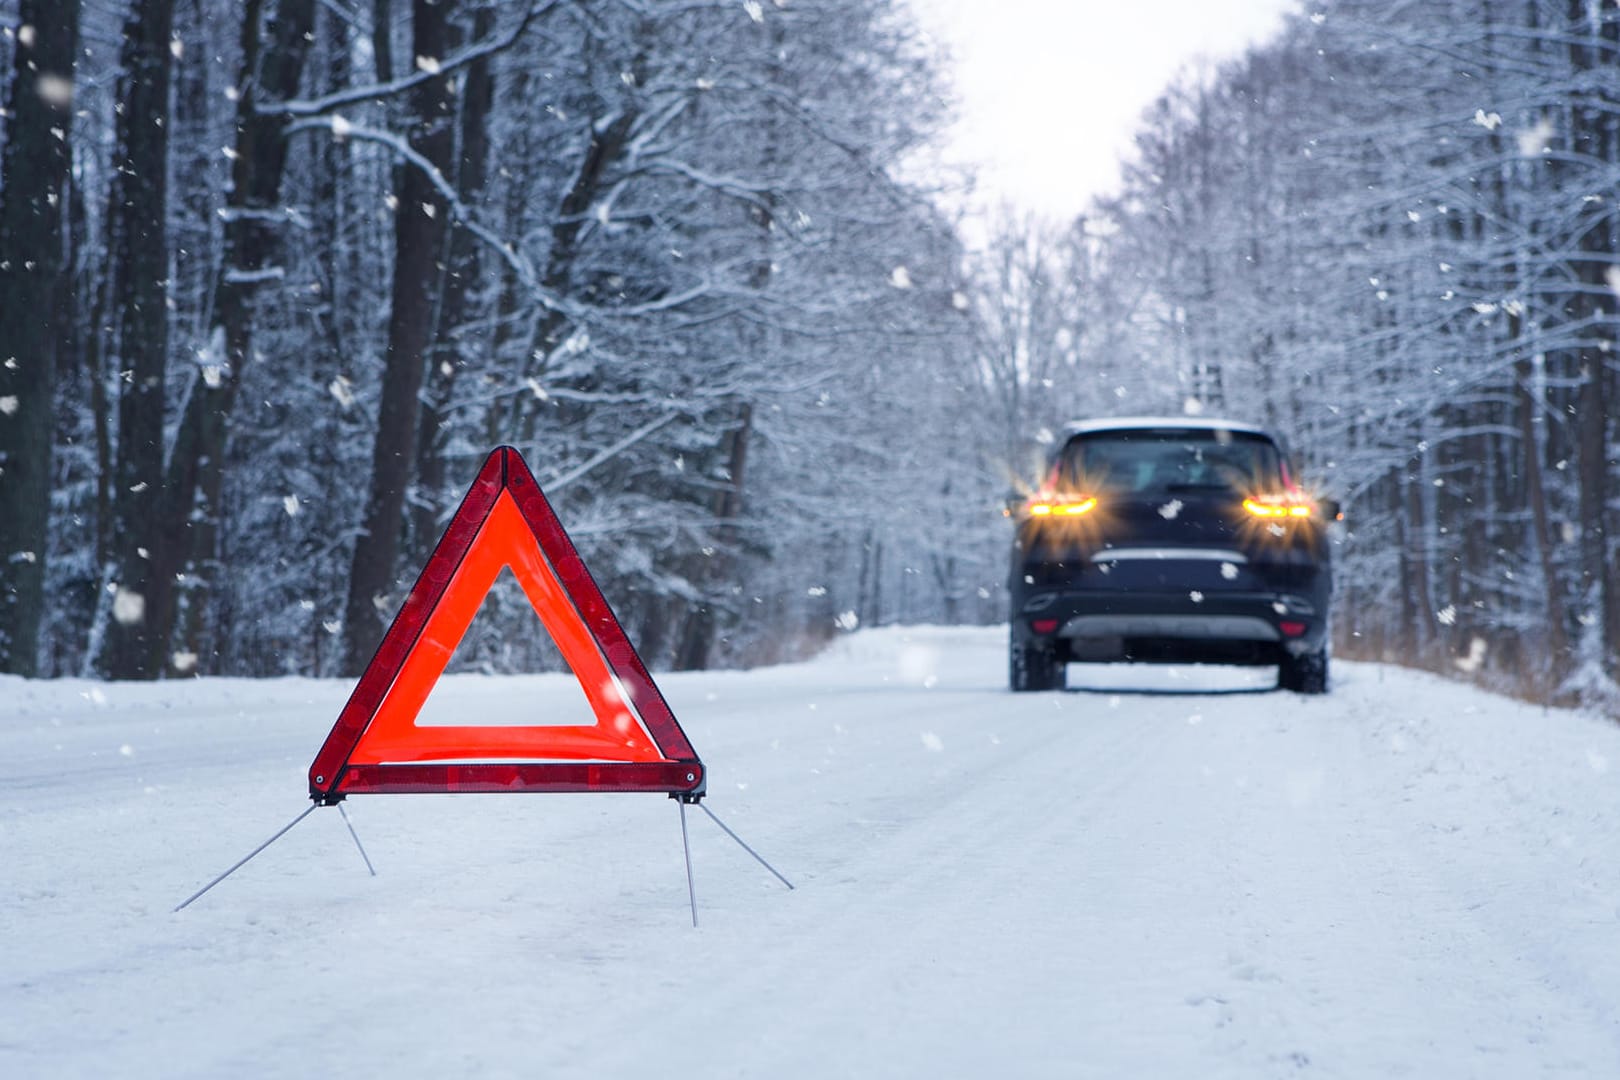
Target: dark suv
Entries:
(1181, 541)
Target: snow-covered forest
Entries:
(1390, 234)
(275, 275)
(280, 272)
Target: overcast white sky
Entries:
(1051, 90)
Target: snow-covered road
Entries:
(1406, 877)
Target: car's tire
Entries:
(1033, 668)
(1306, 674)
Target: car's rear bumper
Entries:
(1172, 625)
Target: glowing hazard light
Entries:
(377, 746)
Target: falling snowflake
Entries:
(1229, 571)
(291, 505)
(1447, 615)
(1488, 121)
(755, 10)
(1534, 141)
(1475, 658)
(343, 390)
(128, 607)
(847, 621)
(932, 742)
(8, 404)
(900, 278)
(54, 90)
(1170, 510)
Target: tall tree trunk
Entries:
(140, 251)
(703, 622)
(1593, 138)
(33, 267)
(1557, 619)
(419, 230)
(196, 463)
(447, 358)
(382, 39)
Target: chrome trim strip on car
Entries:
(1205, 554)
(1194, 627)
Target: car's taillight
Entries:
(1061, 507)
(1279, 506)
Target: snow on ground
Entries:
(1169, 873)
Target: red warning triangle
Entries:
(377, 746)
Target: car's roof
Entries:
(1153, 423)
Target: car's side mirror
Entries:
(1331, 509)
(1015, 502)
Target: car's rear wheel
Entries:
(1306, 674)
(1034, 668)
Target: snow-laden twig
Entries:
(353, 18)
(557, 483)
(357, 94)
(514, 258)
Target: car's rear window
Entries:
(1171, 461)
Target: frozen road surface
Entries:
(1160, 875)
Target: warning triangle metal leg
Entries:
(686, 846)
(357, 842)
(759, 858)
(244, 860)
